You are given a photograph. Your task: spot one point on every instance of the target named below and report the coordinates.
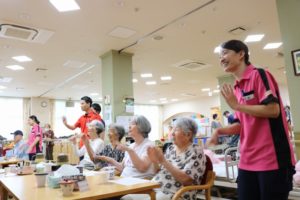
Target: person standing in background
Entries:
(96, 108)
(230, 117)
(267, 161)
(48, 140)
(85, 104)
(35, 138)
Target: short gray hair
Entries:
(187, 125)
(98, 125)
(143, 125)
(119, 129)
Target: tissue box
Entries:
(53, 181)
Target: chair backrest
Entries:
(208, 167)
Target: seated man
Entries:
(20, 147)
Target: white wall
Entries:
(284, 95)
(200, 105)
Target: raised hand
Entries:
(229, 96)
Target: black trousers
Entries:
(265, 185)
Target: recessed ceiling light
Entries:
(210, 94)
(274, 45)
(217, 49)
(15, 67)
(147, 75)
(166, 78)
(151, 83)
(100, 98)
(134, 80)
(188, 94)
(254, 38)
(216, 91)
(22, 58)
(163, 99)
(5, 79)
(205, 89)
(65, 5)
(174, 100)
(2, 87)
(94, 94)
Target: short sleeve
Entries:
(266, 87)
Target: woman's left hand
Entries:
(155, 155)
(229, 96)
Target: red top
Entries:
(83, 120)
(264, 142)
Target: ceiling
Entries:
(83, 36)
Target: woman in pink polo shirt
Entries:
(267, 158)
(35, 137)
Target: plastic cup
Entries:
(111, 171)
(41, 179)
(67, 187)
(103, 177)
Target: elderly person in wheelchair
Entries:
(182, 165)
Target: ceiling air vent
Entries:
(191, 65)
(237, 31)
(17, 32)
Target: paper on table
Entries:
(130, 181)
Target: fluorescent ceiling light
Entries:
(174, 100)
(15, 67)
(22, 58)
(254, 38)
(216, 91)
(163, 99)
(218, 86)
(151, 83)
(94, 94)
(5, 79)
(274, 45)
(205, 89)
(148, 75)
(134, 80)
(100, 98)
(65, 5)
(2, 87)
(210, 94)
(166, 78)
(217, 49)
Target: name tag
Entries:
(248, 97)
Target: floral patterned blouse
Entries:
(109, 151)
(192, 162)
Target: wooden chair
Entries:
(206, 183)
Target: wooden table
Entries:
(24, 188)
(5, 163)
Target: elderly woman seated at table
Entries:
(92, 146)
(136, 162)
(183, 163)
(110, 151)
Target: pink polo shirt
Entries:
(35, 132)
(264, 142)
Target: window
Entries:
(153, 114)
(71, 113)
(11, 116)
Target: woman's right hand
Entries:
(214, 138)
(104, 158)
